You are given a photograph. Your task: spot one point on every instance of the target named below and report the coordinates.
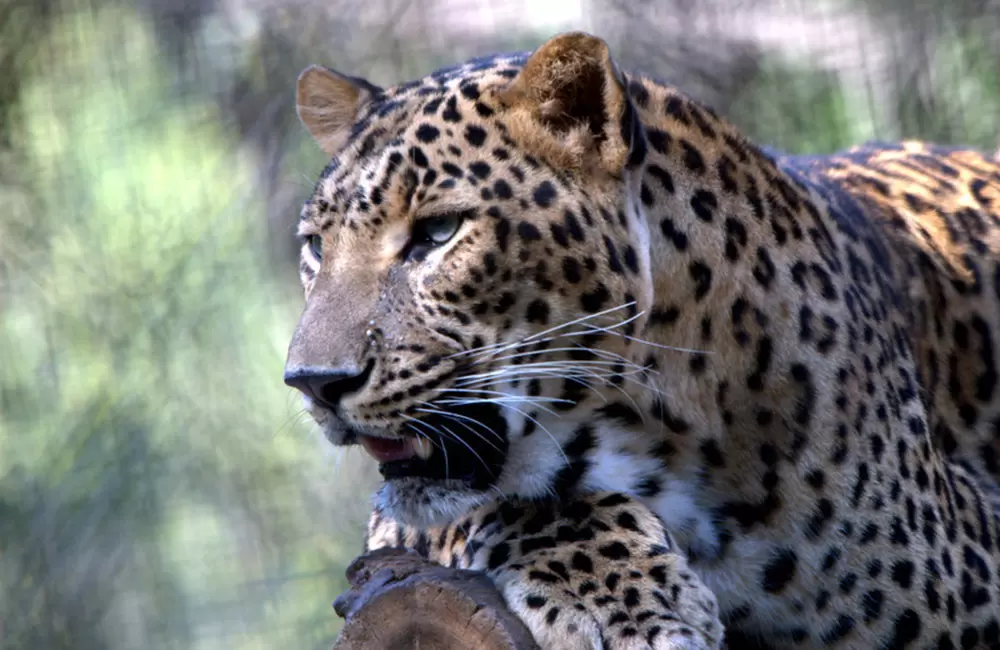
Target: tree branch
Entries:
(400, 600)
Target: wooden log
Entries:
(399, 600)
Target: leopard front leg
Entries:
(595, 572)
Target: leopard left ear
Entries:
(570, 103)
(328, 104)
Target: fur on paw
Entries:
(648, 603)
(606, 575)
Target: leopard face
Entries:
(475, 264)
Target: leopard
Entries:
(666, 387)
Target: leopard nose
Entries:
(328, 385)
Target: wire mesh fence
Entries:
(159, 486)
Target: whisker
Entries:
(629, 398)
(469, 447)
(590, 365)
(552, 369)
(645, 342)
(532, 341)
(434, 430)
(607, 354)
(491, 353)
(444, 449)
(460, 418)
(527, 370)
(614, 359)
(426, 425)
(482, 391)
(628, 376)
(537, 335)
(501, 400)
(505, 404)
(534, 338)
(547, 432)
(294, 419)
(523, 375)
(458, 438)
(582, 319)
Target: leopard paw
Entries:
(603, 574)
(649, 603)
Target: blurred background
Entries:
(159, 486)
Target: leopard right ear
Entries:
(571, 105)
(328, 103)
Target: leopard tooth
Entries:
(422, 447)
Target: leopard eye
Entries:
(436, 230)
(315, 243)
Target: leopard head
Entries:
(475, 260)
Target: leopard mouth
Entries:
(386, 450)
(466, 444)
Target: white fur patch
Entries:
(419, 503)
(690, 522)
(534, 461)
(621, 463)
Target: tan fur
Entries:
(543, 95)
(327, 104)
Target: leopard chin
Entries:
(426, 503)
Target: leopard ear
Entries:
(571, 104)
(328, 103)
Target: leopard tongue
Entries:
(386, 450)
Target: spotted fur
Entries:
(670, 380)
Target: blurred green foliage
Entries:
(159, 487)
(799, 109)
